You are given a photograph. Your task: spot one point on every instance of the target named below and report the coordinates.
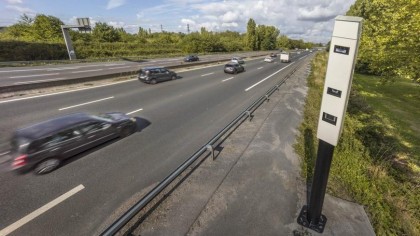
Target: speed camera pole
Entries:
(338, 79)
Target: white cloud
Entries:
(187, 21)
(230, 16)
(21, 10)
(114, 3)
(14, 1)
(230, 25)
(310, 20)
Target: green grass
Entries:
(376, 162)
(399, 103)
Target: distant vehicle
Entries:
(152, 75)
(42, 147)
(233, 68)
(285, 57)
(273, 55)
(238, 60)
(269, 59)
(190, 58)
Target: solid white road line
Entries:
(86, 103)
(24, 76)
(4, 153)
(11, 71)
(83, 71)
(227, 79)
(69, 91)
(131, 112)
(259, 68)
(63, 68)
(246, 90)
(36, 81)
(208, 74)
(114, 65)
(120, 67)
(9, 229)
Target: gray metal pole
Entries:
(69, 44)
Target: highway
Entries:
(10, 76)
(90, 190)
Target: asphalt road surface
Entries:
(90, 190)
(27, 75)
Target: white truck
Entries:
(284, 57)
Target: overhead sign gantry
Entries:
(83, 24)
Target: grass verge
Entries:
(376, 162)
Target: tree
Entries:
(390, 43)
(47, 28)
(105, 33)
(251, 35)
(283, 42)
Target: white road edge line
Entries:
(83, 71)
(4, 153)
(259, 68)
(36, 81)
(131, 112)
(86, 103)
(208, 74)
(259, 82)
(120, 67)
(227, 79)
(9, 229)
(69, 91)
(24, 76)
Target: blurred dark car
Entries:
(274, 55)
(152, 75)
(190, 58)
(42, 147)
(233, 68)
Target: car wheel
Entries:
(153, 81)
(173, 77)
(47, 166)
(235, 71)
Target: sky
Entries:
(310, 20)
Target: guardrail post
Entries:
(267, 98)
(248, 113)
(211, 149)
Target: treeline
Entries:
(40, 38)
(390, 44)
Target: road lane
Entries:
(184, 113)
(11, 75)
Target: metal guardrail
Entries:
(127, 216)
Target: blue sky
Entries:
(310, 20)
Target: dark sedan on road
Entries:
(43, 146)
(233, 68)
(191, 58)
(152, 75)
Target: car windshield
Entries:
(103, 117)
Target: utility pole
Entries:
(188, 28)
(161, 28)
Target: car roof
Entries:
(50, 126)
(153, 67)
(232, 64)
